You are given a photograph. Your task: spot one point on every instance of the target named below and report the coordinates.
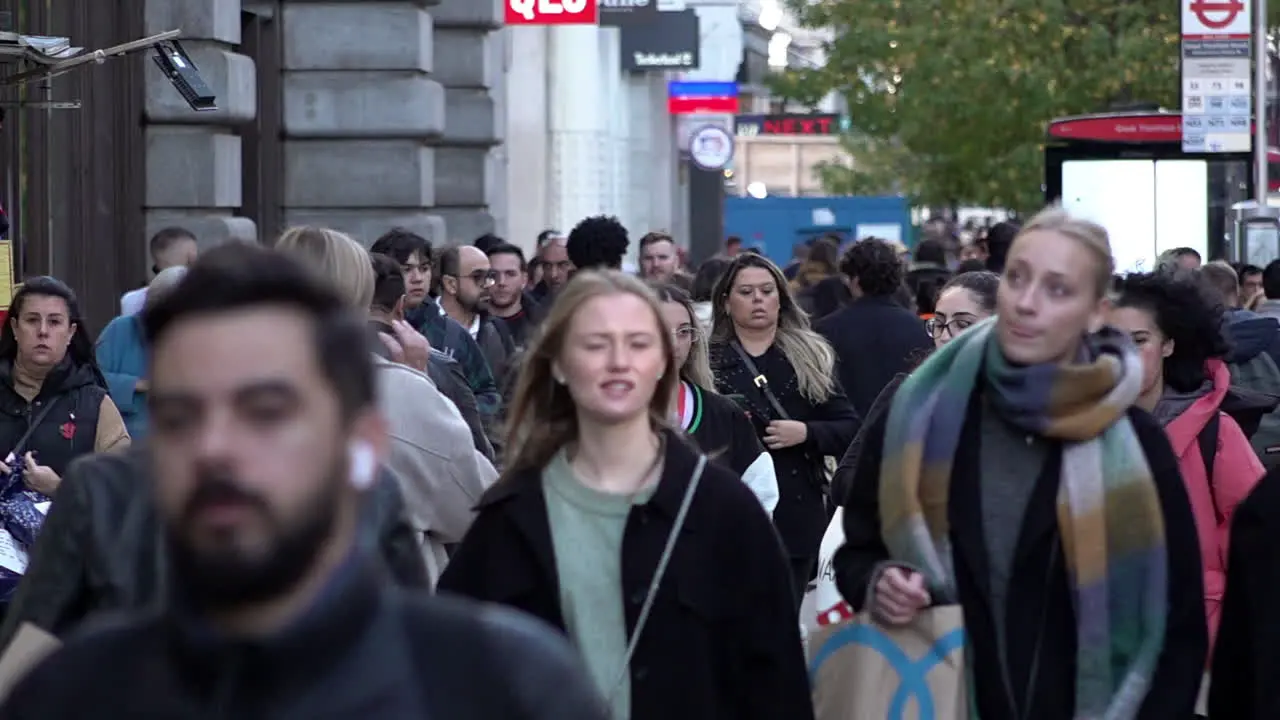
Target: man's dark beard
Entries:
(226, 580)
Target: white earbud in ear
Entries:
(364, 464)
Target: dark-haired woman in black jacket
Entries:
(51, 391)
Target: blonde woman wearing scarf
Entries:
(1012, 476)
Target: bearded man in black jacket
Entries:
(277, 609)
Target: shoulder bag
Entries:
(658, 572)
(821, 474)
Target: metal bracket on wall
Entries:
(44, 69)
(41, 105)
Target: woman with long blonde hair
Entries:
(1014, 477)
(714, 423)
(764, 354)
(609, 525)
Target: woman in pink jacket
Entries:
(1177, 328)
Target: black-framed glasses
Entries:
(952, 327)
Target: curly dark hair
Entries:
(1186, 313)
(874, 263)
(596, 242)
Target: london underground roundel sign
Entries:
(711, 148)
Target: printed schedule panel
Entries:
(1216, 78)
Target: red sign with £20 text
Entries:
(551, 12)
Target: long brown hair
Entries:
(543, 417)
(697, 368)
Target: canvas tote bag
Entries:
(860, 670)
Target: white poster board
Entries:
(1146, 206)
(1120, 195)
(1182, 205)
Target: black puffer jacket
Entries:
(66, 410)
(363, 650)
(101, 548)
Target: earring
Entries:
(661, 373)
(559, 380)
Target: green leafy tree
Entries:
(949, 99)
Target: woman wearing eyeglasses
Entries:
(715, 423)
(966, 300)
(962, 302)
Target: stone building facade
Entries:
(354, 115)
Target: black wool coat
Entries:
(803, 512)
(722, 641)
(1040, 615)
(1246, 662)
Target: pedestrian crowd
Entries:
(344, 477)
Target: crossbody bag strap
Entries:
(658, 572)
(759, 380)
(1208, 440)
(21, 445)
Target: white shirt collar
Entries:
(475, 321)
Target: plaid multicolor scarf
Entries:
(1109, 513)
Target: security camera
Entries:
(176, 65)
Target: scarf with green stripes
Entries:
(1109, 514)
